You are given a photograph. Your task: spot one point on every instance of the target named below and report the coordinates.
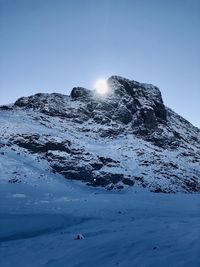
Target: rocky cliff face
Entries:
(124, 138)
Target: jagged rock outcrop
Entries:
(129, 107)
(125, 137)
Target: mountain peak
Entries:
(129, 107)
(124, 137)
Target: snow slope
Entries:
(129, 143)
(124, 138)
(134, 227)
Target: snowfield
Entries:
(133, 227)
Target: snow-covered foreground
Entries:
(39, 224)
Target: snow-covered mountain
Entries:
(125, 138)
(125, 141)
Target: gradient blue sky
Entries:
(53, 45)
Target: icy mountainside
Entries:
(124, 138)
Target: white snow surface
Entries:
(39, 225)
(131, 152)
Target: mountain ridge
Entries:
(127, 137)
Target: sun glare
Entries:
(101, 87)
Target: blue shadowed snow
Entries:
(39, 224)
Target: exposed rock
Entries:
(128, 181)
(80, 93)
(139, 140)
(79, 237)
(40, 144)
(5, 107)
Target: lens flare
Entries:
(101, 87)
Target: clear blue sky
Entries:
(53, 45)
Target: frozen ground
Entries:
(38, 226)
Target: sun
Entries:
(101, 87)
